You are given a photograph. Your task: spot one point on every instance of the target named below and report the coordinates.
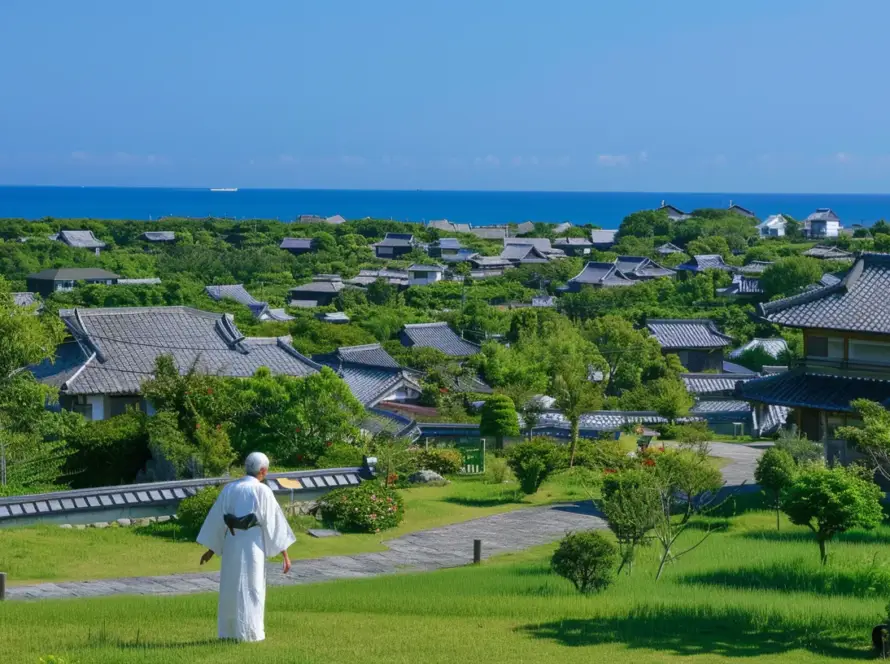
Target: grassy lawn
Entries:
(748, 592)
(50, 553)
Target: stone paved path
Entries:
(449, 546)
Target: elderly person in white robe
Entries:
(245, 526)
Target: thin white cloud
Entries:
(612, 160)
(489, 161)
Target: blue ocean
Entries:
(605, 209)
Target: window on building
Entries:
(827, 347)
(872, 352)
(85, 409)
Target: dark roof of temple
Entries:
(857, 303)
(396, 240)
(712, 383)
(296, 243)
(688, 333)
(439, 336)
(119, 347)
(825, 252)
(601, 274)
(372, 355)
(706, 262)
(799, 389)
(370, 371)
(603, 236)
(641, 267)
(668, 248)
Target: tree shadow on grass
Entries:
(798, 578)
(703, 630)
(484, 501)
(881, 536)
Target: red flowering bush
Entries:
(367, 508)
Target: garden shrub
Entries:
(497, 470)
(367, 508)
(445, 461)
(534, 460)
(192, 511)
(601, 455)
(587, 559)
(340, 455)
(108, 452)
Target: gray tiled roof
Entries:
(708, 383)
(559, 229)
(24, 299)
(774, 418)
(426, 268)
(449, 226)
(296, 243)
(674, 213)
(775, 347)
(321, 283)
(688, 333)
(490, 262)
(827, 253)
(335, 219)
(742, 211)
(525, 227)
(439, 336)
(371, 355)
(490, 233)
(159, 236)
(823, 214)
(447, 243)
(754, 267)
(82, 239)
(737, 369)
(572, 242)
(668, 248)
(366, 277)
(277, 315)
(371, 373)
(742, 285)
(542, 244)
(706, 262)
(543, 301)
(603, 236)
(73, 274)
(801, 389)
(523, 253)
(396, 240)
(92, 502)
(858, 303)
(600, 274)
(123, 344)
(237, 293)
(144, 281)
(640, 267)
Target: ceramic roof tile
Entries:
(858, 303)
(801, 389)
(439, 336)
(296, 243)
(706, 383)
(82, 239)
(159, 236)
(691, 333)
(706, 262)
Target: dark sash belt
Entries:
(234, 523)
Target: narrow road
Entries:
(448, 546)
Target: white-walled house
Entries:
(773, 226)
(823, 223)
(424, 275)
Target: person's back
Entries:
(245, 526)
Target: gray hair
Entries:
(255, 463)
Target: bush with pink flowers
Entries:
(367, 508)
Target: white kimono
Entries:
(242, 581)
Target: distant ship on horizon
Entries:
(225, 189)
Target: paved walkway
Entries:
(449, 546)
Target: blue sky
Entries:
(637, 95)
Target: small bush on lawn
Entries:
(587, 559)
(367, 508)
(534, 460)
(601, 455)
(497, 471)
(192, 511)
(445, 461)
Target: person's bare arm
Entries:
(208, 554)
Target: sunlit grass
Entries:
(747, 592)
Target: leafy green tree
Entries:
(830, 501)
(873, 437)
(533, 461)
(802, 450)
(789, 275)
(671, 399)
(499, 419)
(381, 292)
(586, 559)
(295, 420)
(793, 229)
(575, 395)
(775, 472)
(528, 406)
(630, 504)
(645, 223)
(628, 352)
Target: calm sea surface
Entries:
(606, 209)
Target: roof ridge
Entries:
(434, 324)
(360, 346)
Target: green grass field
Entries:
(50, 553)
(748, 593)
